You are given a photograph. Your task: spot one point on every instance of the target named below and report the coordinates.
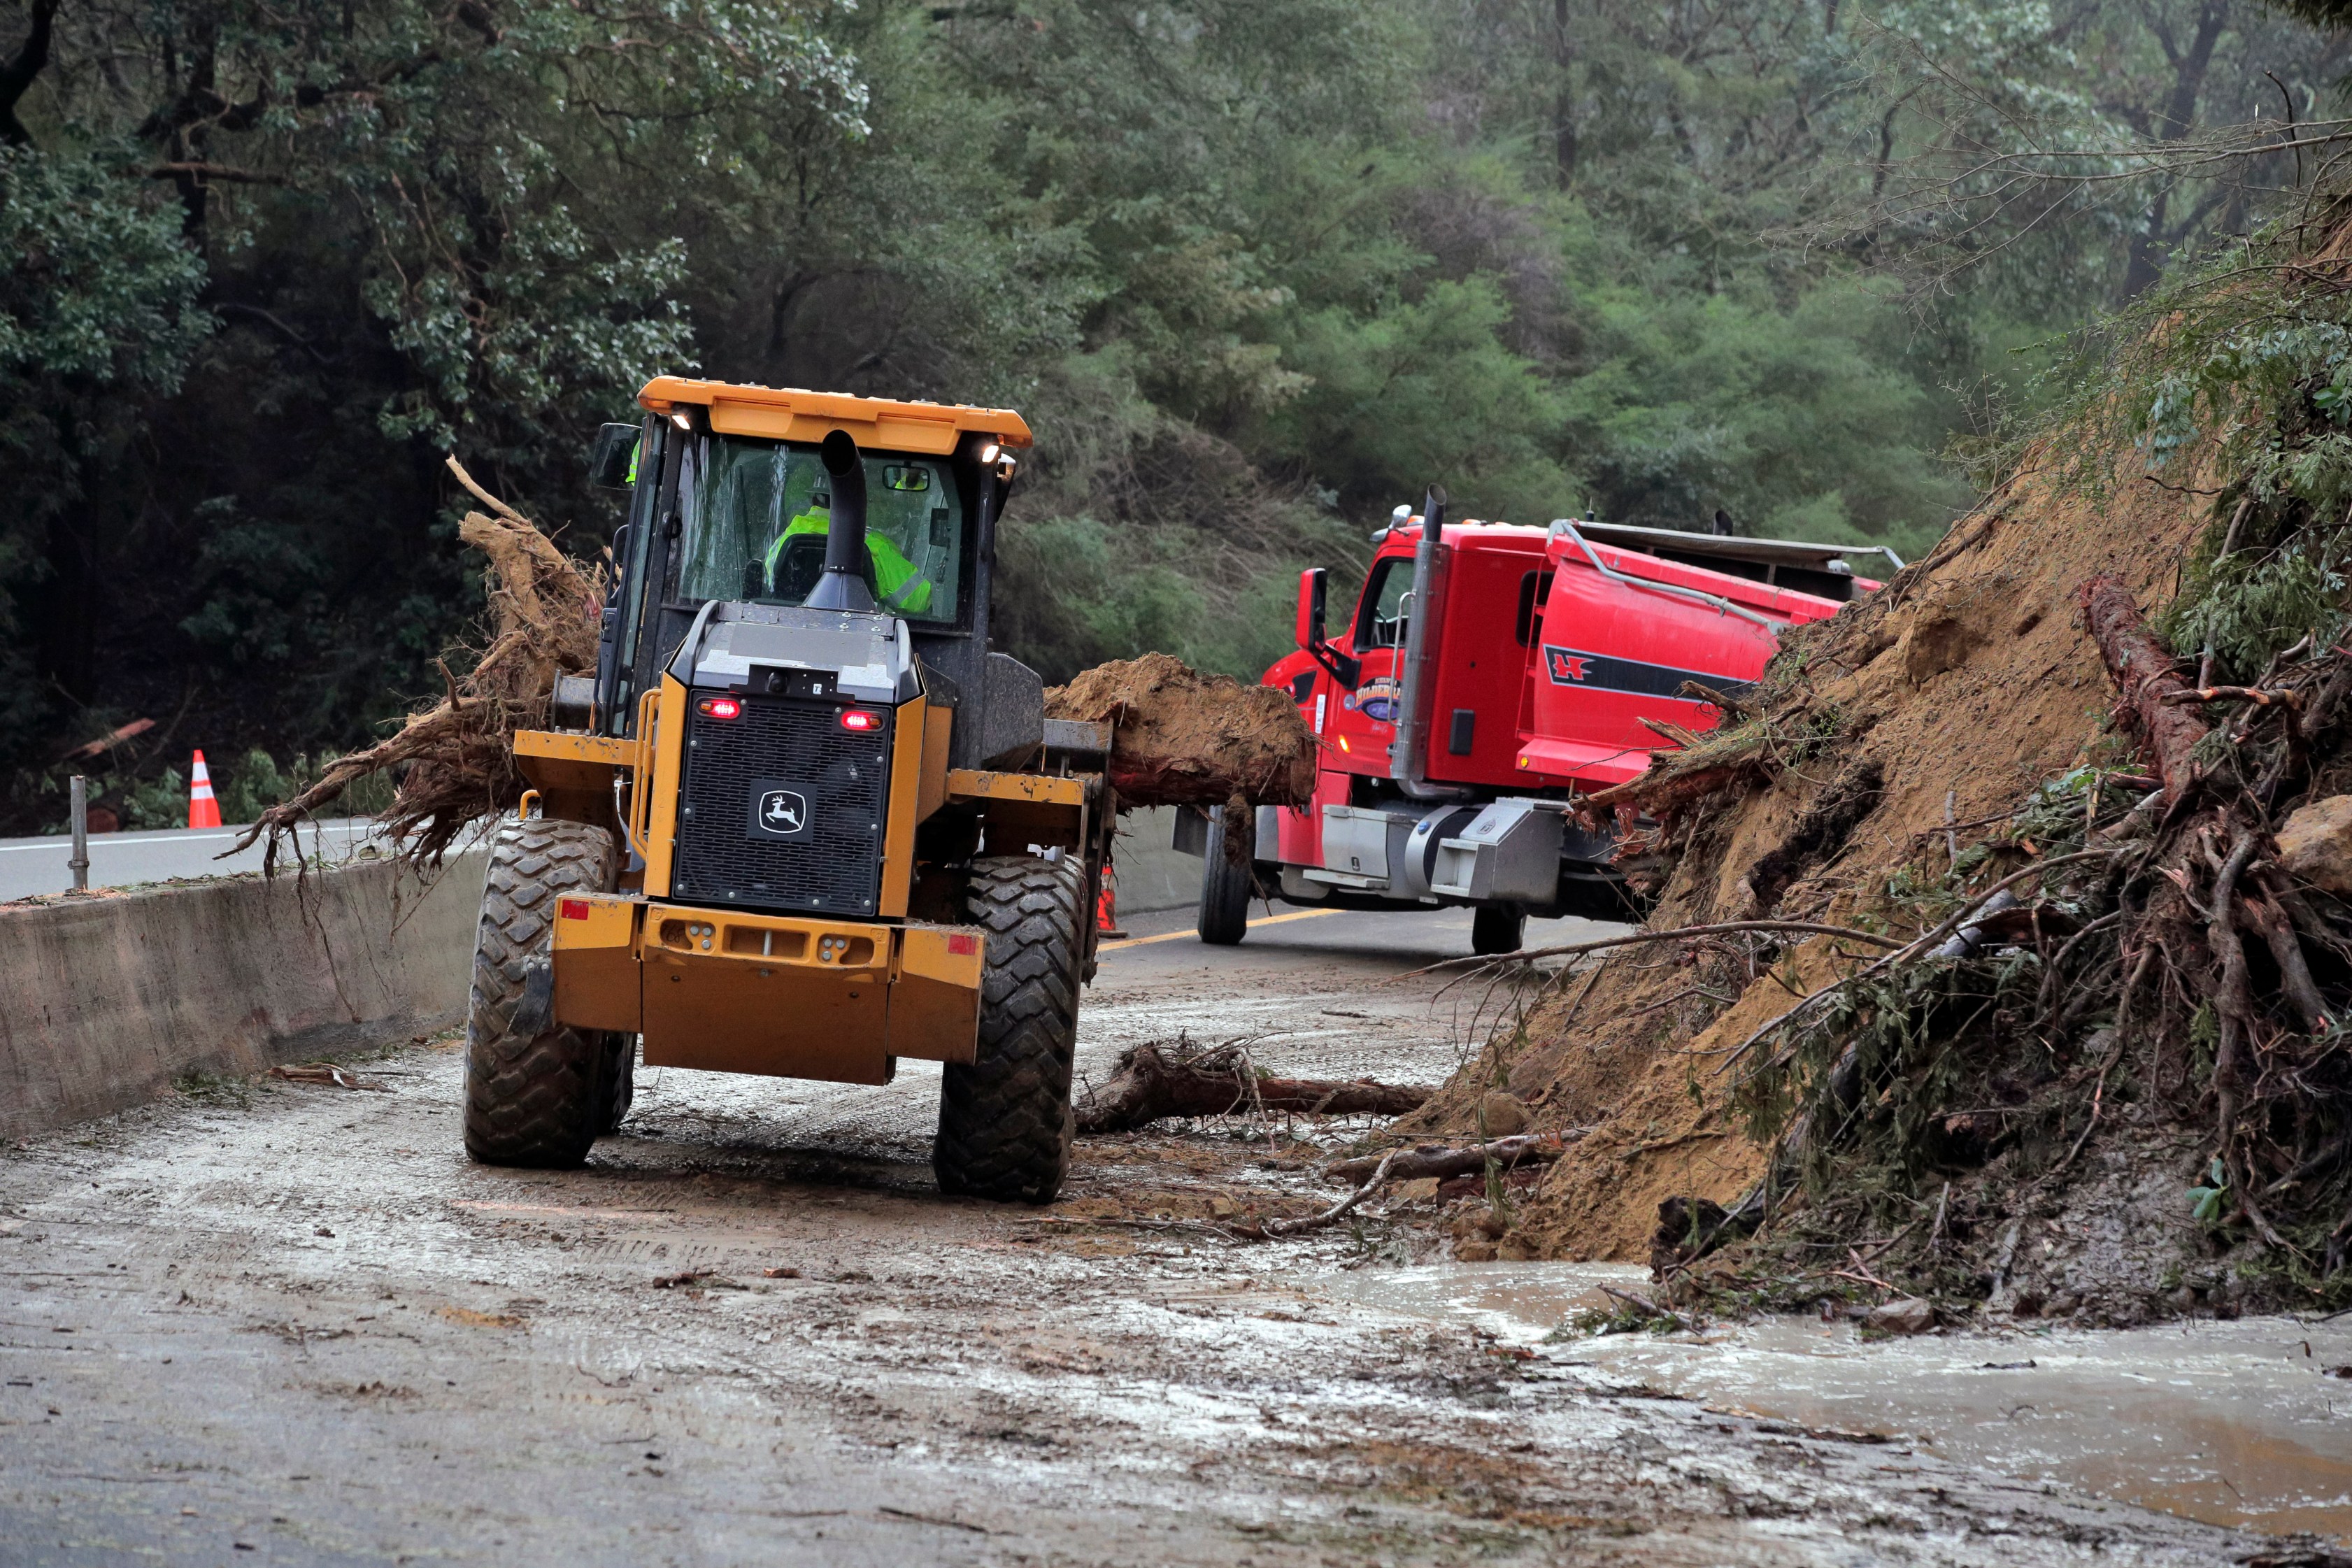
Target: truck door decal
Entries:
(1599, 672)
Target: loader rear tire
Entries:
(1005, 1123)
(1226, 886)
(538, 1098)
(1498, 928)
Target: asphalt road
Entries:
(284, 1324)
(29, 866)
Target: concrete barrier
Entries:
(107, 998)
(1149, 873)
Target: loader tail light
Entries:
(719, 708)
(859, 719)
(574, 909)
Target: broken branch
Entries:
(1435, 1160)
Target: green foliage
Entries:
(1255, 270)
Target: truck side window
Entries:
(1534, 589)
(1384, 616)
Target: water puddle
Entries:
(2232, 1423)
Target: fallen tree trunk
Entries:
(1662, 794)
(1436, 1159)
(1152, 1085)
(1182, 738)
(2151, 689)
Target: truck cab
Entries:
(1490, 676)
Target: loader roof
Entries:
(790, 414)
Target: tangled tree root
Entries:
(454, 761)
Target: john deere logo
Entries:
(778, 813)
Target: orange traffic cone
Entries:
(203, 811)
(1107, 910)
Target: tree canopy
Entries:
(1256, 270)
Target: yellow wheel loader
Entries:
(802, 821)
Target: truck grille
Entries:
(781, 808)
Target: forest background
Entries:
(1255, 270)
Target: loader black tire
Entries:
(1005, 1123)
(541, 1097)
(1498, 928)
(1226, 886)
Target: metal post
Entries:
(80, 864)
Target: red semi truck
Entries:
(1491, 674)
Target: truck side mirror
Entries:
(1344, 669)
(612, 461)
(1310, 607)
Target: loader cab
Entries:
(731, 505)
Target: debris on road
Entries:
(1151, 1084)
(1182, 738)
(1441, 1160)
(326, 1075)
(1904, 1315)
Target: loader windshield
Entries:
(757, 514)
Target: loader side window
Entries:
(759, 511)
(1384, 616)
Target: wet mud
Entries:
(272, 1322)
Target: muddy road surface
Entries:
(276, 1322)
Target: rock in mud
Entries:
(1503, 1115)
(2316, 844)
(1904, 1315)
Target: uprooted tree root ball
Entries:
(454, 761)
(2076, 794)
(1182, 738)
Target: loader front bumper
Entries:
(786, 996)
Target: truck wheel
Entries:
(1004, 1119)
(1226, 890)
(534, 1095)
(1498, 928)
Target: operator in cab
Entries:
(898, 585)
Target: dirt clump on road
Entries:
(1182, 738)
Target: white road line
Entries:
(116, 841)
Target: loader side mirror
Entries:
(1310, 606)
(612, 461)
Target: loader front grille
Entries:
(781, 808)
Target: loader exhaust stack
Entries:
(843, 586)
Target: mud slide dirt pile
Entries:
(453, 760)
(2073, 1046)
(1182, 738)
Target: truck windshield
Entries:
(757, 512)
